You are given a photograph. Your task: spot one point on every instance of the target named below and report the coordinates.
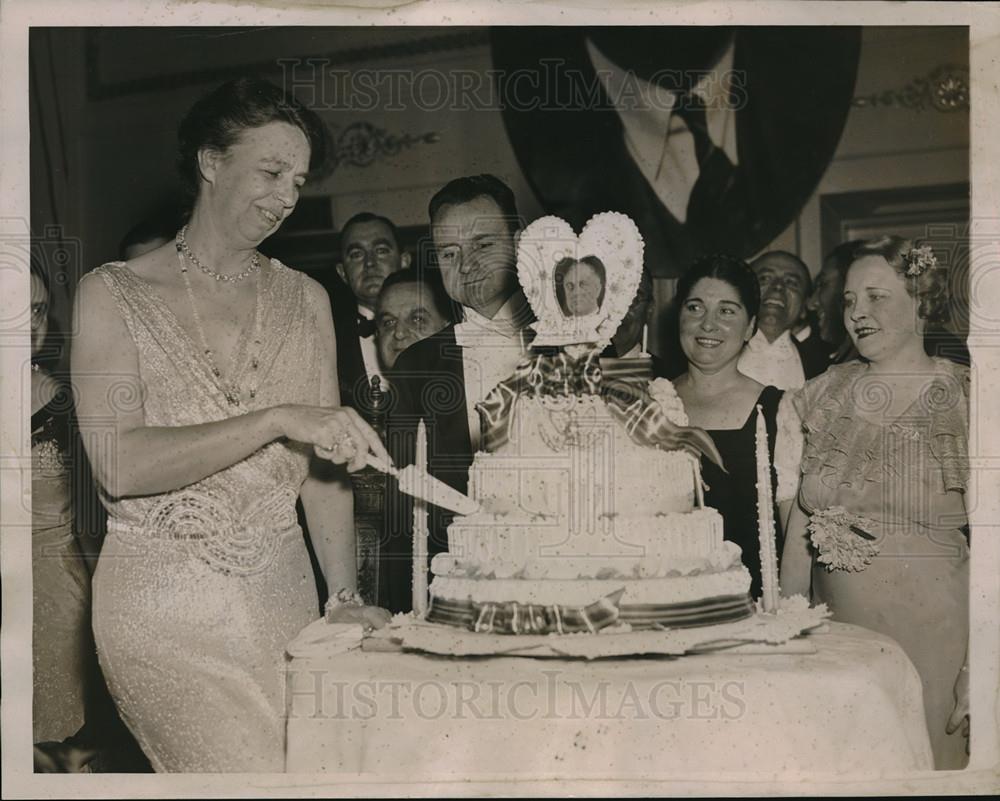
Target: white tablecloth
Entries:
(853, 706)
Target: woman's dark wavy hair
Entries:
(219, 118)
(559, 276)
(723, 267)
(731, 269)
(930, 288)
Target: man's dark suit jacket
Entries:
(352, 380)
(428, 381)
(816, 354)
(351, 375)
(943, 343)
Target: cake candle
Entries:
(420, 531)
(765, 519)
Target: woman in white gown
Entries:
(207, 387)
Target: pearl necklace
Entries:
(233, 391)
(231, 279)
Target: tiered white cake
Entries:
(583, 522)
(573, 510)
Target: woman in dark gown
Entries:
(718, 301)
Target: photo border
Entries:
(15, 551)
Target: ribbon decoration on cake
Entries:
(623, 388)
(512, 617)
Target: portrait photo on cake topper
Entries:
(579, 286)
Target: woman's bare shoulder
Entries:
(315, 293)
(158, 268)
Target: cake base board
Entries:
(763, 633)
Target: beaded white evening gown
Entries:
(198, 591)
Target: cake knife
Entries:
(412, 481)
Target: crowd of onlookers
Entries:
(252, 382)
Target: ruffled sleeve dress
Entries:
(888, 522)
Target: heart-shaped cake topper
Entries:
(579, 287)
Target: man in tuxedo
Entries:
(775, 355)
(474, 227)
(369, 253)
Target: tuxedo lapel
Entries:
(428, 382)
(814, 353)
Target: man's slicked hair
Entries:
(369, 217)
(429, 280)
(775, 255)
(463, 190)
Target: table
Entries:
(854, 705)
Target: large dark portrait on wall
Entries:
(758, 115)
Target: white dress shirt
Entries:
(775, 364)
(659, 141)
(369, 353)
(788, 446)
(491, 349)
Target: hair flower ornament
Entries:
(919, 259)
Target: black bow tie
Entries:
(366, 327)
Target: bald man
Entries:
(777, 355)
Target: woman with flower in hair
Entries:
(878, 532)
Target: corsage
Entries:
(844, 540)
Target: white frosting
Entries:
(569, 458)
(584, 566)
(571, 509)
(581, 592)
(656, 543)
